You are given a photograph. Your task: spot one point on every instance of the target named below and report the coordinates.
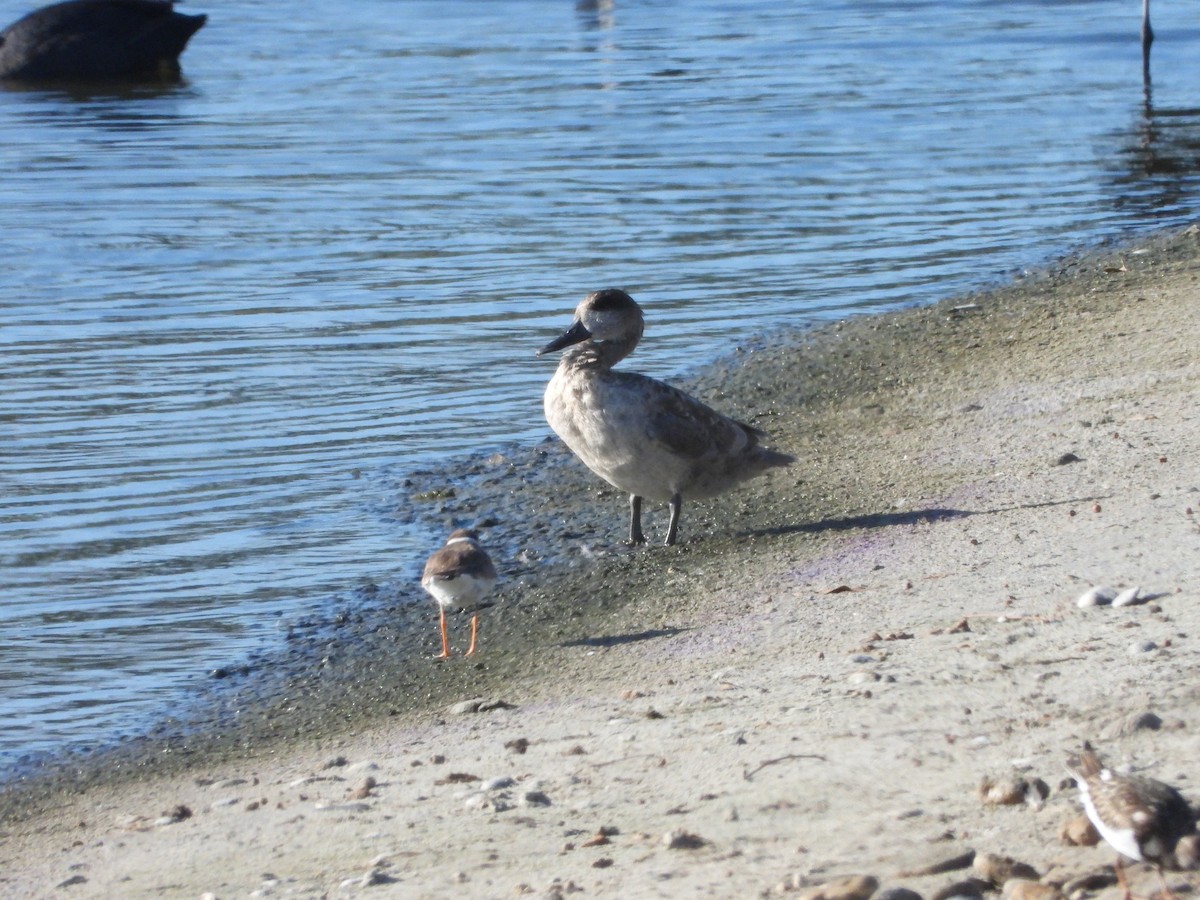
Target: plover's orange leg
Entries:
(1166, 890)
(474, 629)
(1119, 867)
(446, 641)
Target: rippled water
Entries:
(230, 305)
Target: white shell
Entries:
(1129, 597)
(1101, 595)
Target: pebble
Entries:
(852, 887)
(1097, 596)
(999, 870)
(1079, 832)
(498, 784)
(534, 798)
(178, 814)
(941, 864)
(1130, 597)
(1140, 647)
(1012, 791)
(678, 839)
(1096, 880)
(1021, 889)
(362, 790)
(970, 889)
(898, 893)
(1145, 721)
(479, 705)
(482, 801)
(342, 807)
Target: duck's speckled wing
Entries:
(686, 427)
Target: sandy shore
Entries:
(813, 685)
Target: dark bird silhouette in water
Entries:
(90, 40)
(1147, 40)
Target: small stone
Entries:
(602, 863)
(498, 784)
(493, 802)
(940, 864)
(1079, 832)
(970, 889)
(518, 745)
(898, 893)
(534, 798)
(172, 816)
(490, 705)
(1129, 597)
(678, 839)
(1141, 647)
(458, 778)
(362, 790)
(1022, 889)
(1096, 880)
(1009, 791)
(73, 880)
(1146, 721)
(375, 876)
(1100, 595)
(999, 870)
(342, 807)
(852, 887)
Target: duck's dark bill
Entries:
(573, 335)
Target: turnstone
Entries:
(1141, 818)
(459, 575)
(640, 435)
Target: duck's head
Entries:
(609, 315)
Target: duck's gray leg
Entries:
(635, 520)
(673, 528)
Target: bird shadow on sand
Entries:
(615, 640)
(926, 516)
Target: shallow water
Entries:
(233, 306)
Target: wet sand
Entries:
(813, 684)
